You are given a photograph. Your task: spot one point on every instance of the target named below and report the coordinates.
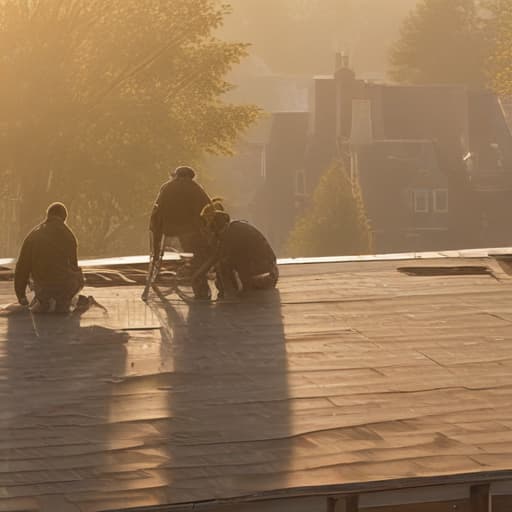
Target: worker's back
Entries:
(51, 250)
(178, 206)
(243, 244)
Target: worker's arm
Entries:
(212, 261)
(156, 224)
(155, 220)
(73, 253)
(22, 271)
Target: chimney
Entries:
(345, 92)
(341, 61)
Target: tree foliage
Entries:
(100, 99)
(500, 61)
(335, 222)
(442, 41)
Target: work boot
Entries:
(63, 307)
(84, 303)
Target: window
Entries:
(441, 200)
(498, 155)
(300, 183)
(263, 162)
(420, 201)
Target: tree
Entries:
(500, 61)
(335, 222)
(99, 100)
(442, 41)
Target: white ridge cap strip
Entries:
(169, 256)
(125, 260)
(463, 253)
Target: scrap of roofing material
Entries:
(438, 270)
(97, 277)
(143, 328)
(505, 262)
(127, 271)
(131, 261)
(11, 308)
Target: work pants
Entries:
(57, 296)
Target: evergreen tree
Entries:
(500, 62)
(442, 41)
(335, 222)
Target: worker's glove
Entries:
(23, 301)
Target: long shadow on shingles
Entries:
(230, 427)
(55, 396)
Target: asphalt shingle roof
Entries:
(350, 373)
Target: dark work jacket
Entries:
(245, 249)
(48, 255)
(178, 207)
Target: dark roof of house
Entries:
(400, 163)
(356, 375)
(488, 127)
(259, 132)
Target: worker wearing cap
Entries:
(244, 259)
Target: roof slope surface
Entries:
(350, 372)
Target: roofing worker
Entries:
(243, 258)
(177, 213)
(48, 258)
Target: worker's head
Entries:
(214, 217)
(184, 172)
(57, 210)
(220, 221)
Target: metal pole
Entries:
(480, 497)
(331, 505)
(352, 503)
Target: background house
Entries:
(406, 195)
(434, 162)
(282, 195)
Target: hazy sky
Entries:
(301, 36)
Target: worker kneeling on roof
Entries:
(48, 262)
(243, 258)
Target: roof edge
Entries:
(337, 490)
